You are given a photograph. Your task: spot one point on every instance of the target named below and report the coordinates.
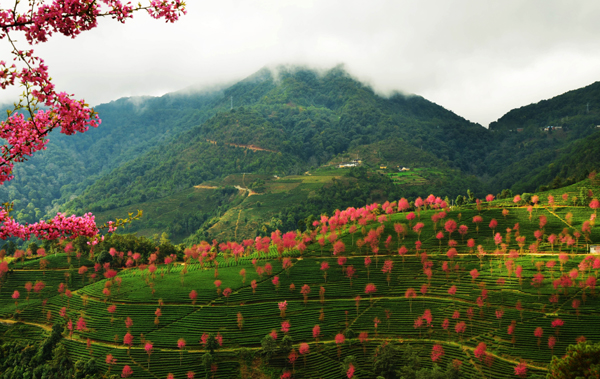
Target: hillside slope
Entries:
(320, 298)
(290, 123)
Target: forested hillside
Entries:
(292, 121)
(130, 127)
(536, 142)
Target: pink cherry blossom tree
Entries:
(127, 372)
(370, 289)
(42, 108)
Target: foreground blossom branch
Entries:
(25, 130)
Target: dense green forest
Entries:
(294, 120)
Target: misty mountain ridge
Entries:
(149, 148)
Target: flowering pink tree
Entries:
(521, 370)
(193, 296)
(227, 292)
(499, 314)
(480, 351)
(400, 229)
(339, 340)
(282, 308)
(25, 129)
(418, 228)
(450, 227)
(511, 331)
(538, 280)
(292, 357)
(367, 265)
(350, 371)
(556, 324)
(128, 340)
(387, 269)
(595, 204)
(474, 275)
(452, 291)
(477, 220)
(324, 268)
(15, 297)
(110, 361)
(127, 372)
(410, 294)
(538, 332)
(350, 272)
(275, 281)
(460, 328)
(148, 348)
(305, 291)
(551, 342)
(370, 289)
(316, 332)
(181, 346)
(304, 350)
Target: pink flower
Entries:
(316, 331)
(437, 352)
(127, 372)
(350, 372)
(452, 291)
(81, 324)
(370, 289)
(557, 323)
(521, 370)
(304, 348)
(128, 339)
(480, 351)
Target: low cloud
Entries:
(478, 59)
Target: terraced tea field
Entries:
(360, 278)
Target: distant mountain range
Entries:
(153, 149)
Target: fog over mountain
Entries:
(478, 59)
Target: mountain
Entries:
(150, 153)
(286, 123)
(547, 143)
(130, 127)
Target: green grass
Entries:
(338, 311)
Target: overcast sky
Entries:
(477, 58)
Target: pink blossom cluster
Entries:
(22, 136)
(59, 226)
